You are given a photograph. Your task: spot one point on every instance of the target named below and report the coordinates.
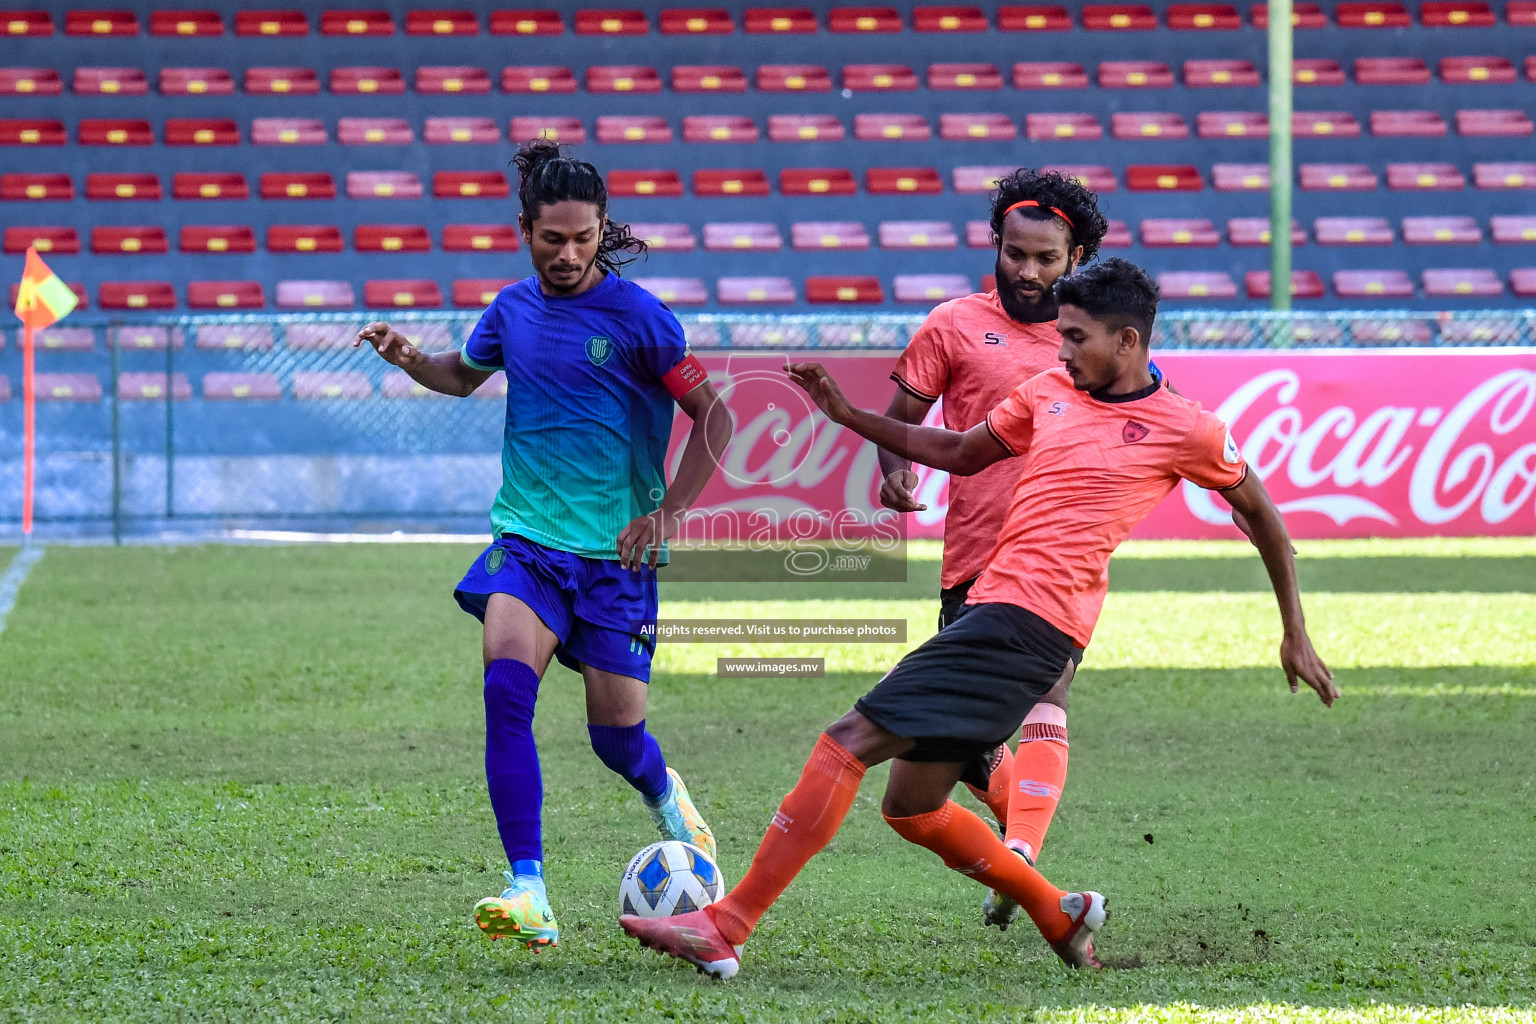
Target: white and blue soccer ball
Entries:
(669, 878)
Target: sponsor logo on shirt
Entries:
(1133, 431)
(1058, 409)
(1229, 453)
(993, 338)
(598, 349)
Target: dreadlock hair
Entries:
(1050, 189)
(1117, 293)
(545, 175)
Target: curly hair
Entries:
(1050, 189)
(545, 175)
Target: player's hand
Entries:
(389, 344)
(640, 542)
(1300, 661)
(896, 492)
(816, 382)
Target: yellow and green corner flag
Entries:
(42, 299)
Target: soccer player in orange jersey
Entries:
(1102, 444)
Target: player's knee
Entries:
(909, 803)
(862, 738)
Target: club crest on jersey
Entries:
(1133, 431)
(598, 349)
(495, 560)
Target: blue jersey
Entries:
(588, 415)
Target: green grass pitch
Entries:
(245, 784)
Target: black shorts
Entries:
(952, 605)
(969, 687)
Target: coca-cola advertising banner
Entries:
(1406, 443)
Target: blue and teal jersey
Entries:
(588, 415)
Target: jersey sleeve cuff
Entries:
(916, 392)
(999, 437)
(474, 363)
(1238, 482)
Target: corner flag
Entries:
(42, 299)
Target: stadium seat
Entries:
(526, 23)
(1303, 15)
(1337, 178)
(1226, 333)
(1203, 17)
(556, 129)
(611, 23)
(399, 384)
(804, 128)
(1479, 330)
(1441, 231)
(744, 181)
(1456, 14)
(1352, 231)
(948, 19)
(148, 238)
(1049, 75)
(407, 293)
(1240, 177)
(817, 181)
(32, 132)
(1118, 18)
(665, 237)
(1371, 14)
(1477, 70)
(714, 21)
(201, 131)
(1425, 177)
(964, 77)
(101, 23)
(1254, 231)
(313, 295)
(1200, 74)
(1117, 235)
(1512, 123)
(754, 291)
(1062, 126)
(303, 238)
(742, 236)
(233, 337)
(374, 131)
(719, 128)
(863, 19)
(288, 131)
(1521, 12)
(1142, 125)
(1391, 71)
(793, 78)
(282, 81)
(356, 23)
(452, 80)
(708, 78)
(322, 385)
(887, 181)
(217, 238)
(1513, 229)
(145, 337)
(1161, 232)
(978, 234)
(1163, 178)
(271, 23)
(976, 127)
(622, 78)
(644, 183)
(879, 78)
(630, 128)
(185, 23)
(1420, 124)
(807, 236)
(114, 132)
(1338, 124)
(383, 185)
(1197, 284)
(857, 289)
(1227, 124)
(122, 186)
(225, 295)
(480, 238)
(1305, 284)
(30, 82)
(1033, 18)
(1504, 175)
(441, 23)
(68, 387)
(477, 292)
(354, 80)
(299, 185)
(124, 295)
(391, 238)
(476, 130)
(538, 79)
(1315, 71)
(60, 240)
(676, 291)
(1479, 282)
(28, 23)
(50, 186)
(319, 337)
(1372, 284)
(765, 20)
(883, 127)
(909, 235)
(1522, 281)
(65, 339)
(1135, 74)
(930, 288)
(196, 82)
(1094, 177)
(469, 185)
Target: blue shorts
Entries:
(594, 606)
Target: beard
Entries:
(1022, 309)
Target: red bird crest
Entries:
(1133, 431)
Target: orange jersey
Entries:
(1092, 470)
(972, 354)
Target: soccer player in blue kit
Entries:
(594, 365)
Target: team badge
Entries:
(1133, 431)
(598, 349)
(495, 560)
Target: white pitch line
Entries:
(303, 537)
(15, 576)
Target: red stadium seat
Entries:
(30, 82)
(708, 78)
(1391, 71)
(1337, 177)
(101, 23)
(371, 79)
(313, 295)
(1372, 14)
(622, 78)
(311, 385)
(746, 181)
(402, 293)
(196, 82)
(114, 132)
(695, 21)
(288, 131)
(863, 19)
(971, 77)
(300, 185)
(122, 186)
(1305, 284)
(611, 23)
(1479, 330)
(1304, 15)
(930, 288)
(136, 295)
(61, 240)
(902, 181)
(1062, 126)
(719, 128)
(1479, 282)
(374, 131)
(480, 238)
(1521, 12)
(1456, 14)
(391, 238)
(283, 81)
(477, 292)
(908, 235)
(804, 128)
(217, 238)
(1338, 124)
(978, 234)
(1425, 177)
(556, 129)
(1049, 75)
(452, 79)
(1094, 177)
(304, 238)
(469, 185)
(185, 23)
(109, 82)
(1165, 233)
(271, 23)
(1204, 17)
(68, 387)
(1317, 72)
(1352, 231)
(477, 130)
(225, 295)
(526, 23)
(27, 23)
(879, 78)
(1163, 178)
(1441, 231)
(1493, 122)
(1522, 281)
(817, 181)
(1477, 70)
(1240, 177)
(765, 20)
(1513, 230)
(970, 127)
(1027, 18)
(538, 79)
(631, 128)
(356, 23)
(1225, 124)
(948, 19)
(1372, 284)
(854, 289)
(644, 183)
(1200, 74)
(1141, 125)
(665, 237)
(36, 186)
(883, 127)
(754, 291)
(1419, 124)
(676, 291)
(742, 236)
(1254, 231)
(1118, 18)
(441, 23)
(793, 78)
(1197, 284)
(383, 185)
(808, 236)
(1134, 74)
(201, 131)
(1504, 175)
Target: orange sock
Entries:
(966, 844)
(806, 821)
(1039, 773)
(995, 796)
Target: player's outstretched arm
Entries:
(1268, 534)
(896, 471)
(949, 450)
(444, 372)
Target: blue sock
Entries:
(511, 759)
(633, 753)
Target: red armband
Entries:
(685, 376)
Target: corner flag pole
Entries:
(29, 430)
(1280, 53)
(41, 299)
